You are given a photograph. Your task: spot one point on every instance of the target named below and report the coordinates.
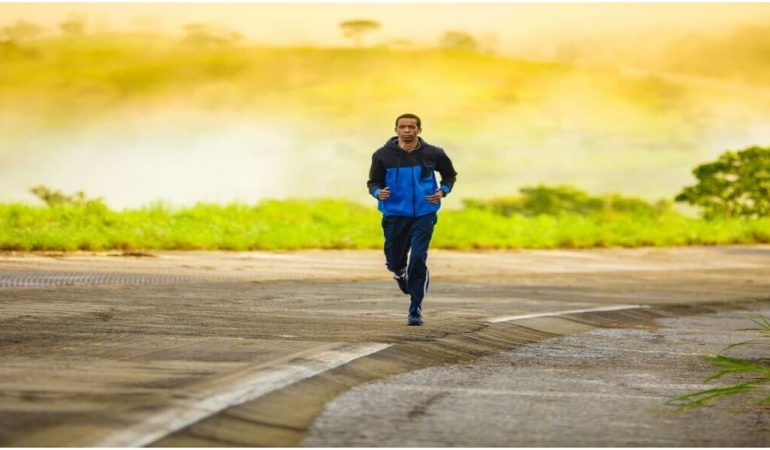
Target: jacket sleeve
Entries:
(447, 171)
(376, 176)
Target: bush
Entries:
(554, 201)
(54, 198)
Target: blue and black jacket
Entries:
(410, 177)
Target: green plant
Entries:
(737, 184)
(753, 375)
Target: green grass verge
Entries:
(340, 224)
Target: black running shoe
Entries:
(415, 320)
(401, 280)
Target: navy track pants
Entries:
(403, 234)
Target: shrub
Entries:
(53, 198)
(554, 201)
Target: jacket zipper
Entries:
(414, 196)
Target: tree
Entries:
(737, 184)
(356, 29)
(203, 35)
(20, 31)
(73, 27)
(459, 40)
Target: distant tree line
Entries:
(198, 34)
(22, 31)
(358, 30)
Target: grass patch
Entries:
(587, 222)
(271, 225)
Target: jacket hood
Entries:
(392, 143)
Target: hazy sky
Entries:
(580, 129)
(516, 25)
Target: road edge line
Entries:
(196, 408)
(563, 313)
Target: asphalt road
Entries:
(247, 349)
(610, 387)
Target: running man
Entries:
(402, 177)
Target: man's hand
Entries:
(436, 197)
(384, 193)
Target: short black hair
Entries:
(409, 116)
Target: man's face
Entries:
(407, 129)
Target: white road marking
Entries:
(198, 406)
(562, 313)
(260, 381)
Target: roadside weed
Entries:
(751, 375)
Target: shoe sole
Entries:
(401, 288)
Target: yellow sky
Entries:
(579, 133)
(514, 24)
